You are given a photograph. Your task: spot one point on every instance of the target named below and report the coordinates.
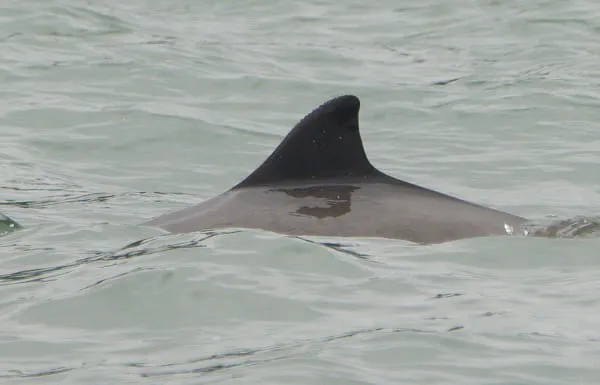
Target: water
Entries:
(115, 112)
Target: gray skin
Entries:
(320, 182)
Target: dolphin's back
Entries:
(354, 210)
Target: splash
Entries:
(7, 225)
(576, 227)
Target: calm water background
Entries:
(113, 112)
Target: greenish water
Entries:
(115, 112)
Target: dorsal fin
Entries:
(325, 144)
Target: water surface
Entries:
(115, 112)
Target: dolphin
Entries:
(319, 182)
